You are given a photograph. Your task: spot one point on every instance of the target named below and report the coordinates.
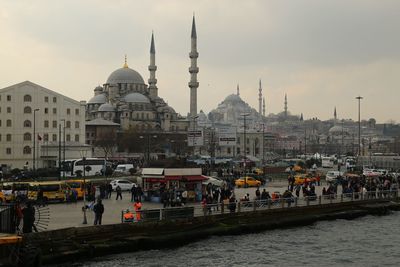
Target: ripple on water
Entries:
(367, 241)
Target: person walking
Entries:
(109, 186)
(133, 193)
(139, 193)
(119, 192)
(98, 209)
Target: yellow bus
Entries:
(78, 186)
(52, 191)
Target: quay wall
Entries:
(84, 243)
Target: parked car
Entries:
(247, 182)
(333, 175)
(125, 185)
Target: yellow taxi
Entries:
(305, 178)
(247, 182)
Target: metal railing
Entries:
(7, 218)
(226, 207)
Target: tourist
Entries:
(28, 218)
(139, 193)
(133, 193)
(258, 194)
(119, 192)
(110, 189)
(184, 196)
(98, 209)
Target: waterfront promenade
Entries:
(70, 214)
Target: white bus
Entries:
(93, 166)
(327, 162)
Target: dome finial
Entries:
(126, 62)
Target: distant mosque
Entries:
(125, 99)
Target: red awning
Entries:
(190, 178)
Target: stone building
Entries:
(35, 122)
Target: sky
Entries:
(322, 54)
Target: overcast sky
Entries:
(321, 53)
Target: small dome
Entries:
(168, 109)
(338, 130)
(136, 98)
(98, 99)
(125, 75)
(106, 107)
(98, 89)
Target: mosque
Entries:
(126, 100)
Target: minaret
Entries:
(153, 90)
(335, 115)
(264, 106)
(237, 90)
(259, 98)
(286, 106)
(301, 117)
(193, 70)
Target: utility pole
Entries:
(359, 124)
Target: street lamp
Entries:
(34, 139)
(147, 154)
(359, 124)
(244, 115)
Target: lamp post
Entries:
(61, 159)
(84, 191)
(34, 139)
(244, 115)
(359, 124)
(147, 151)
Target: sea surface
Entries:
(366, 241)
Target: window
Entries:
(8, 137)
(54, 137)
(229, 150)
(76, 124)
(8, 98)
(76, 111)
(27, 137)
(27, 150)
(77, 138)
(87, 135)
(54, 110)
(8, 109)
(54, 99)
(46, 110)
(68, 124)
(46, 124)
(238, 150)
(27, 110)
(27, 98)
(54, 124)
(8, 150)
(9, 123)
(46, 137)
(27, 124)
(68, 137)
(46, 99)
(68, 111)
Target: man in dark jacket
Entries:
(28, 218)
(98, 209)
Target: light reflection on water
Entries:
(366, 241)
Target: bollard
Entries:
(254, 205)
(238, 206)
(222, 207)
(295, 201)
(161, 214)
(282, 203)
(319, 200)
(331, 199)
(122, 216)
(269, 203)
(341, 198)
(308, 201)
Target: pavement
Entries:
(66, 215)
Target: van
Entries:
(123, 169)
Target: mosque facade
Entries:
(127, 100)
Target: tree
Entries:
(106, 140)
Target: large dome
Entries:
(233, 98)
(136, 98)
(125, 75)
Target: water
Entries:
(366, 241)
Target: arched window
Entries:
(27, 110)
(27, 98)
(27, 137)
(27, 150)
(27, 124)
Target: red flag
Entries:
(39, 137)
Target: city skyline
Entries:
(321, 54)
